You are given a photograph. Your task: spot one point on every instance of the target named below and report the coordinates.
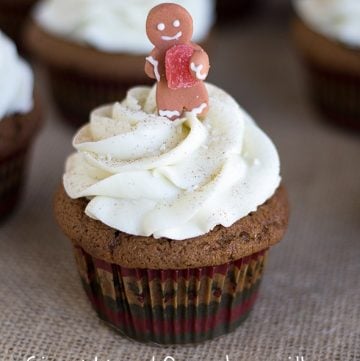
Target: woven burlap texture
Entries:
(309, 301)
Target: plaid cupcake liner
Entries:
(77, 94)
(12, 175)
(13, 15)
(336, 95)
(172, 306)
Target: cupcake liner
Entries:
(336, 94)
(76, 94)
(12, 175)
(172, 306)
(13, 14)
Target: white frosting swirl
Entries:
(146, 175)
(16, 80)
(114, 25)
(338, 19)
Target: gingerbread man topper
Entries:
(178, 65)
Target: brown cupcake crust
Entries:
(61, 53)
(324, 51)
(17, 131)
(253, 233)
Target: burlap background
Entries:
(310, 298)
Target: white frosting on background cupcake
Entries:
(16, 80)
(338, 19)
(147, 175)
(114, 25)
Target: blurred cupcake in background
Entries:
(13, 14)
(19, 122)
(231, 10)
(327, 34)
(94, 50)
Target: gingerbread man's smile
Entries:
(175, 37)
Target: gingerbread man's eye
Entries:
(161, 27)
(176, 23)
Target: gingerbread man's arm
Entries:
(199, 63)
(152, 65)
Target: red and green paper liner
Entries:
(336, 94)
(77, 94)
(172, 306)
(12, 176)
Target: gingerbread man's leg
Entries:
(168, 102)
(197, 100)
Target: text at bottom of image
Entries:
(154, 358)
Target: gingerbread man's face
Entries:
(168, 25)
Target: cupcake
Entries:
(13, 14)
(172, 200)
(19, 123)
(327, 34)
(94, 54)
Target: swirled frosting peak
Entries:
(338, 19)
(114, 25)
(16, 80)
(146, 175)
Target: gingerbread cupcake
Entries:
(94, 54)
(327, 34)
(19, 123)
(172, 199)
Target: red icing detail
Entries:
(177, 64)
